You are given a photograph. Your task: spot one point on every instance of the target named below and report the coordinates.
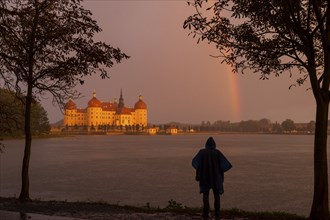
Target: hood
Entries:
(210, 143)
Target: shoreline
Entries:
(71, 134)
(102, 210)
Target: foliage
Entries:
(12, 116)
(39, 123)
(174, 205)
(2, 147)
(48, 47)
(83, 208)
(288, 125)
(272, 38)
(49, 44)
(259, 35)
(260, 126)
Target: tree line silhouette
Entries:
(253, 126)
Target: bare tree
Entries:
(48, 46)
(275, 37)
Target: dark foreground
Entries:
(103, 211)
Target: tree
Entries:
(48, 47)
(265, 125)
(311, 126)
(12, 116)
(275, 37)
(248, 126)
(288, 125)
(276, 128)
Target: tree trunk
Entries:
(24, 195)
(320, 206)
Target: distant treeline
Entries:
(261, 126)
(12, 110)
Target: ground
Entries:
(103, 211)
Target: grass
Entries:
(177, 207)
(71, 209)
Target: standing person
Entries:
(210, 165)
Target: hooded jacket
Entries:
(209, 172)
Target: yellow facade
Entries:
(106, 113)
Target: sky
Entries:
(177, 78)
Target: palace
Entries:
(106, 113)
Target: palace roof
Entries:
(124, 111)
(70, 105)
(140, 104)
(94, 102)
(109, 106)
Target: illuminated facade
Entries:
(106, 113)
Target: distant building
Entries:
(152, 130)
(171, 130)
(106, 113)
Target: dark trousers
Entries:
(206, 203)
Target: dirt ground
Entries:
(103, 211)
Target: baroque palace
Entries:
(106, 113)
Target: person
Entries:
(210, 165)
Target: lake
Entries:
(270, 172)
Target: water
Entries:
(270, 172)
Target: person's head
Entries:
(210, 143)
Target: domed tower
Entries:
(94, 111)
(70, 112)
(94, 102)
(141, 112)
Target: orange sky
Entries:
(177, 78)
